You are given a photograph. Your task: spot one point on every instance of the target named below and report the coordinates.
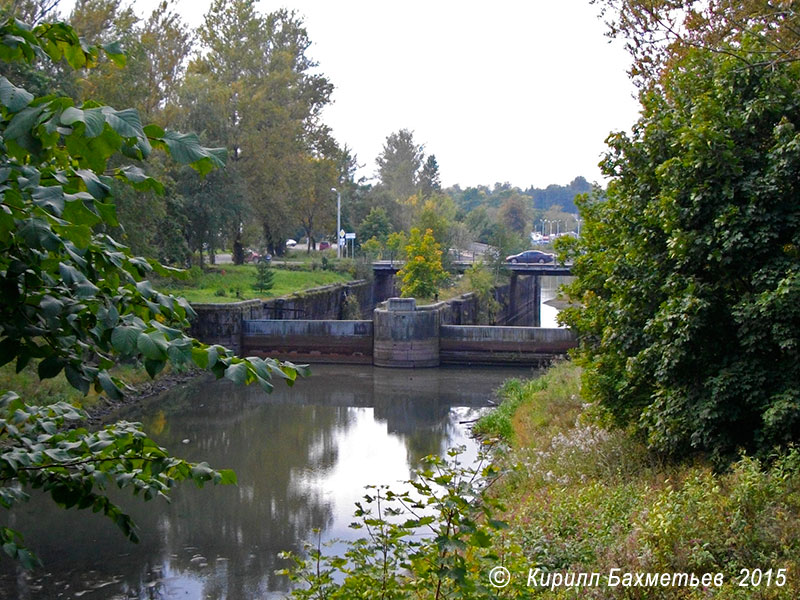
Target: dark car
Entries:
(531, 256)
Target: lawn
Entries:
(232, 283)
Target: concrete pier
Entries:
(405, 336)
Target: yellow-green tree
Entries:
(423, 271)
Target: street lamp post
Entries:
(338, 221)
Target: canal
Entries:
(302, 455)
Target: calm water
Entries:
(550, 286)
(302, 456)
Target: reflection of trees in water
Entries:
(227, 537)
(246, 525)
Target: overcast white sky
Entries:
(518, 91)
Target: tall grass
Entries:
(586, 499)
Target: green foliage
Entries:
(423, 271)
(375, 225)
(399, 164)
(429, 179)
(265, 278)
(586, 499)
(75, 300)
(351, 308)
(75, 466)
(482, 284)
(688, 278)
(372, 248)
(431, 540)
(396, 245)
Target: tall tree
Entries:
(257, 70)
(399, 163)
(315, 205)
(515, 213)
(429, 179)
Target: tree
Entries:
(516, 214)
(396, 245)
(482, 284)
(372, 248)
(75, 300)
(659, 32)
(376, 224)
(265, 277)
(254, 90)
(688, 269)
(429, 180)
(438, 215)
(423, 271)
(315, 206)
(399, 163)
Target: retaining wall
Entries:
(490, 345)
(309, 341)
(222, 323)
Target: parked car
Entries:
(291, 243)
(324, 245)
(531, 256)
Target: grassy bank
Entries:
(586, 499)
(26, 383)
(232, 283)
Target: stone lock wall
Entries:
(405, 336)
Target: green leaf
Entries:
(124, 339)
(108, 385)
(125, 122)
(21, 126)
(237, 372)
(152, 346)
(13, 98)
(94, 184)
(50, 367)
(92, 118)
(80, 235)
(199, 357)
(76, 211)
(76, 379)
(185, 148)
(153, 367)
(51, 198)
(115, 53)
(227, 477)
(107, 212)
(51, 306)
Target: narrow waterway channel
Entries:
(302, 455)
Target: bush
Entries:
(687, 269)
(351, 308)
(430, 540)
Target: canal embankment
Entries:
(589, 499)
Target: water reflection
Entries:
(302, 457)
(550, 291)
